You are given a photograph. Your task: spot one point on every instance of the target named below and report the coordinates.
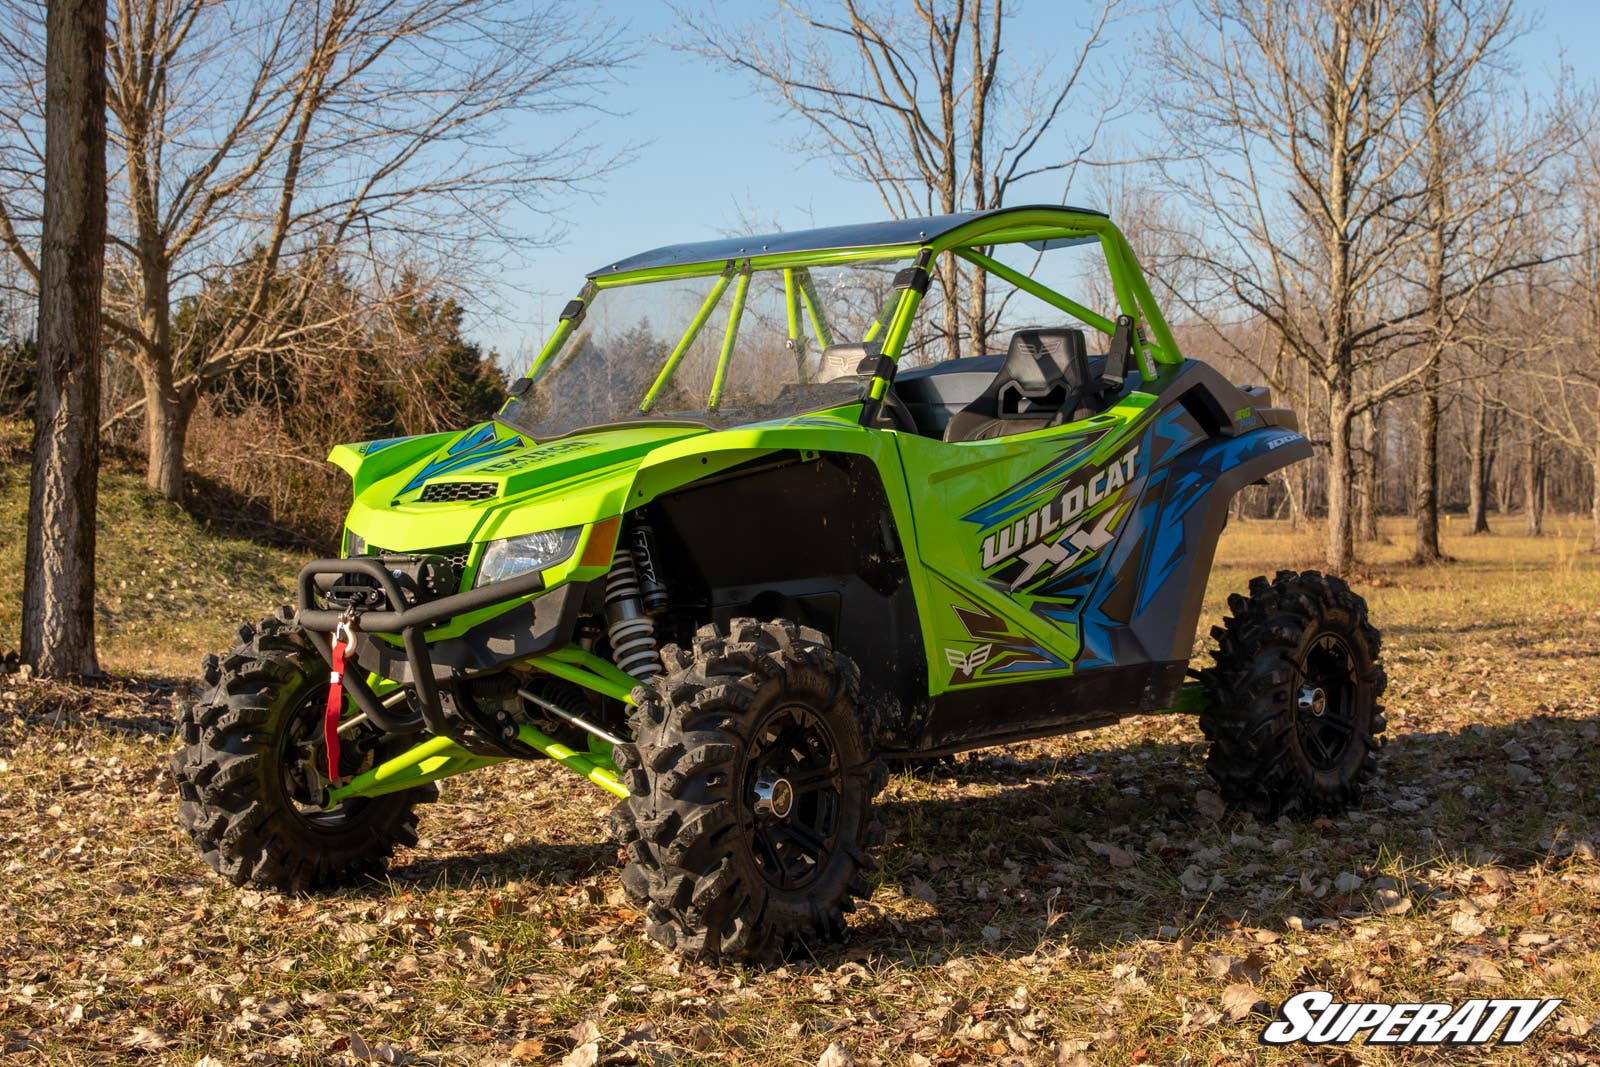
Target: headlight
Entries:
(511, 556)
(354, 544)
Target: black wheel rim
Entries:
(792, 797)
(303, 766)
(1326, 702)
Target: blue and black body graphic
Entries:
(1109, 544)
(470, 450)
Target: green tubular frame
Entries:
(1043, 292)
(808, 295)
(729, 338)
(695, 326)
(440, 757)
(563, 330)
(797, 335)
(584, 668)
(1133, 292)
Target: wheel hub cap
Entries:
(775, 797)
(1313, 701)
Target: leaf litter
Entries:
(1080, 900)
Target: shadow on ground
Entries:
(997, 855)
(131, 707)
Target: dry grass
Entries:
(170, 585)
(1061, 902)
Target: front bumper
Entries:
(528, 629)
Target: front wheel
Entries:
(1293, 715)
(250, 774)
(752, 781)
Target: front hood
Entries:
(489, 481)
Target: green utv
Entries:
(736, 542)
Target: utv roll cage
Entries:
(732, 260)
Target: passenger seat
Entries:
(1046, 380)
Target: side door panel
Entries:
(1013, 532)
(1066, 567)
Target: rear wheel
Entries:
(252, 770)
(752, 781)
(1293, 714)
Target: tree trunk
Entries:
(58, 578)
(1533, 489)
(1294, 493)
(1478, 473)
(1367, 489)
(1594, 499)
(978, 313)
(1426, 549)
(1341, 533)
(1441, 181)
(951, 290)
(166, 421)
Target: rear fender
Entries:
(1189, 513)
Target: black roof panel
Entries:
(861, 235)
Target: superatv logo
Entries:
(1315, 1018)
(1051, 535)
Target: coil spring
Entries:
(632, 632)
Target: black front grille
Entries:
(452, 492)
(456, 554)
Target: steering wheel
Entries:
(894, 415)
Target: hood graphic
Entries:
(492, 453)
(469, 450)
(519, 486)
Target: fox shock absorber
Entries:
(653, 592)
(631, 630)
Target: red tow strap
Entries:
(342, 640)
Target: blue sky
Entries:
(709, 150)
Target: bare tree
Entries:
(1305, 90)
(58, 582)
(1533, 481)
(1483, 175)
(254, 143)
(1300, 118)
(1485, 422)
(1369, 482)
(924, 104)
(1559, 398)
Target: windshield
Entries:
(722, 351)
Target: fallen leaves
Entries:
(1240, 1000)
(835, 1055)
(529, 1050)
(1390, 902)
(1062, 901)
(1210, 805)
(1467, 925)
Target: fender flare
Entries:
(1200, 487)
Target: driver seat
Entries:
(1044, 382)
